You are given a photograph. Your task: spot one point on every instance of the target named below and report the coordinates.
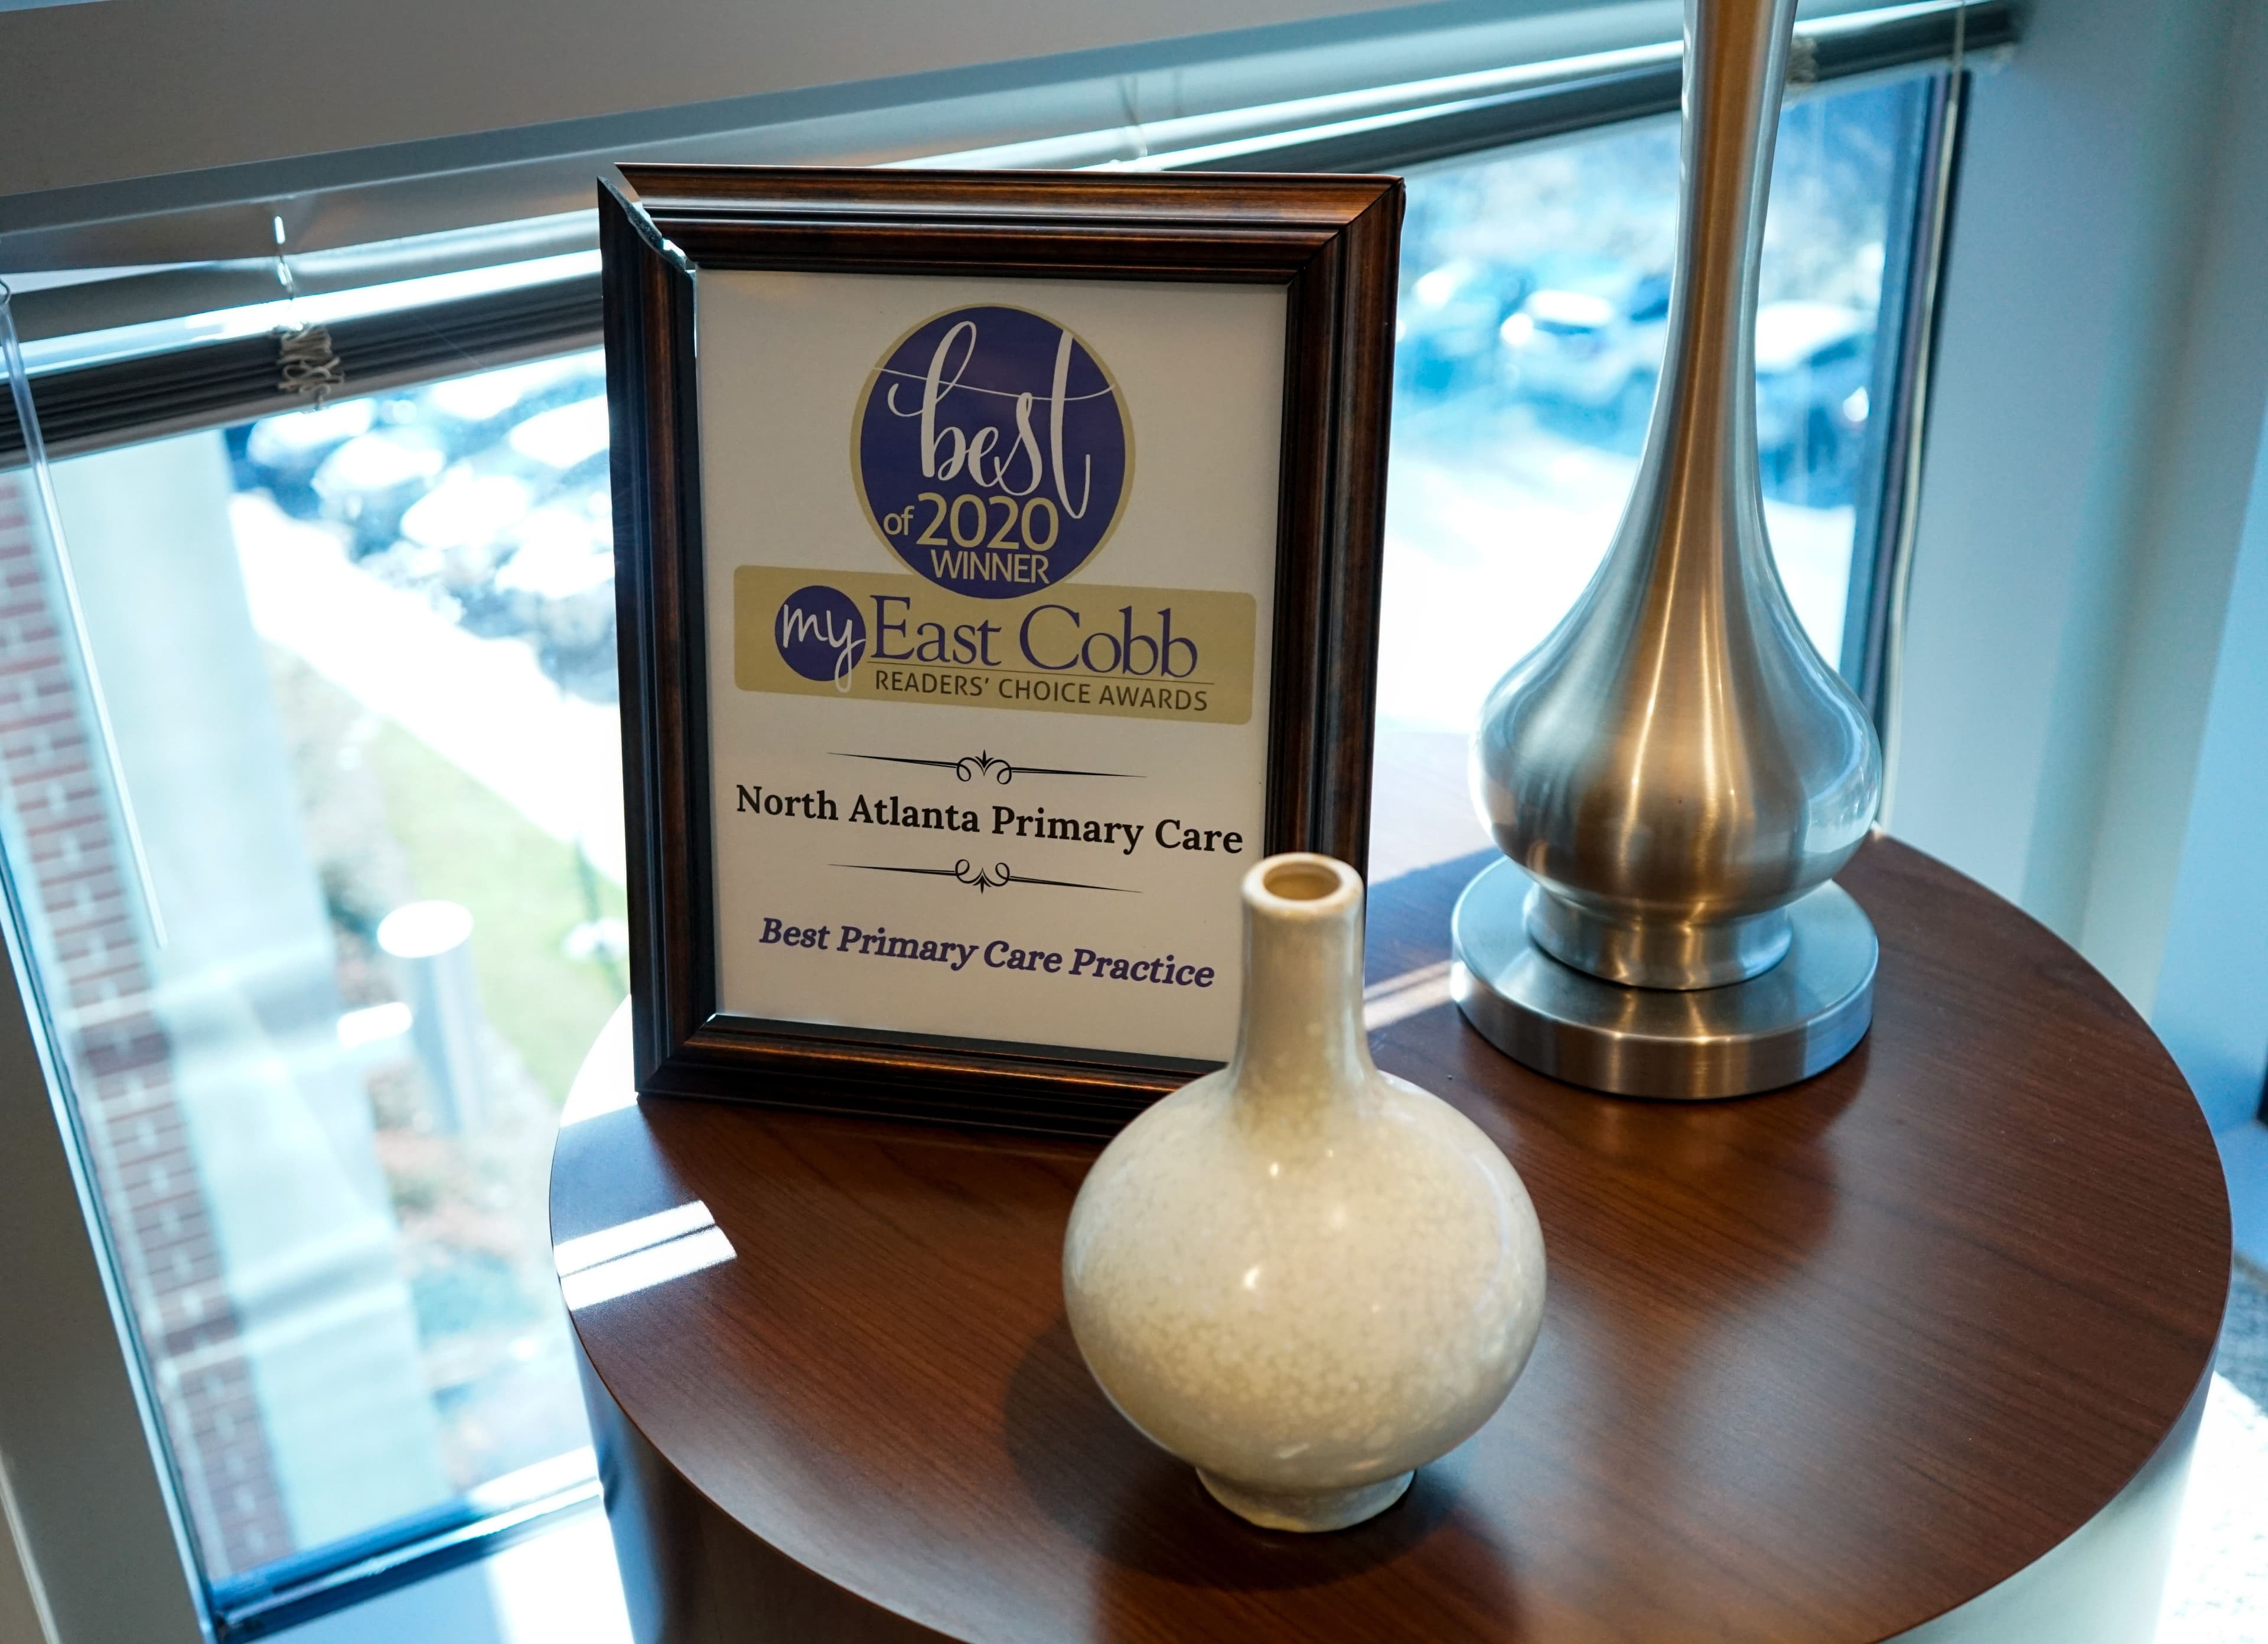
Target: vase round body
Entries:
(1303, 1276)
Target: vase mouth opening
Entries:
(1302, 885)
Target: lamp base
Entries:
(1797, 1019)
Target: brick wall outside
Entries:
(77, 884)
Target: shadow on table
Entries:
(1141, 1509)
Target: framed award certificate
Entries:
(998, 561)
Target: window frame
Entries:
(79, 1433)
(58, 1465)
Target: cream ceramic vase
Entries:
(1304, 1276)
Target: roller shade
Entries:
(98, 403)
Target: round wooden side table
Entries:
(1916, 1349)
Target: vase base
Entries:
(1306, 1511)
(1797, 1019)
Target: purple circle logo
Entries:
(821, 634)
(992, 451)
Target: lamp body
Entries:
(1676, 767)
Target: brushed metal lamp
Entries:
(1675, 773)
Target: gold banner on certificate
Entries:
(1151, 654)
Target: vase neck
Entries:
(1705, 432)
(1301, 1039)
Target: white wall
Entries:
(2101, 369)
(130, 88)
(136, 132)
(2212, 989)
(2180, 617)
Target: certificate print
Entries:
(955, 817)
(996, 566)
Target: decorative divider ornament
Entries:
(969, 767)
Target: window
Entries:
(360, 665)
(321, 841)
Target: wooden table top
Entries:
(1816, 1365)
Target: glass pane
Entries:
(360, 664)
(1533, 307)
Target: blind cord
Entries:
(307, 364)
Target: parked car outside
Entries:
(369, 482)
(488, 493)
(1445, 330)
(472, 413)
(1814, 361)
(283, 452)
(1589, 335)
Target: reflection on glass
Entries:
(360, 659)
(361, 663)
(1534, 302)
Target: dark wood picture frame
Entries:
(1330, 242)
